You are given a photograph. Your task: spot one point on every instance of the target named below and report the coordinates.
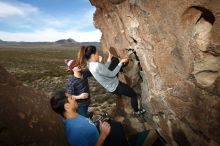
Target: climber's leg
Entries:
(124, 89)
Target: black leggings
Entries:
(124, 89)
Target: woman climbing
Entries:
(107, 78)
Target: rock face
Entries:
(178, 45)
(26, 117)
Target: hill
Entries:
(68, 41)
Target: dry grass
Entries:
(32, 62)
(38, 65)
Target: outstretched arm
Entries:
(107, 64)
(103, 70)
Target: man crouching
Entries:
(80, 131)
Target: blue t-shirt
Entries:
(80, 131)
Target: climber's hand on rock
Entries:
(124, 60)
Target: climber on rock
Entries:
(81, 131)
(108, 77)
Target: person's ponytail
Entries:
(85, 54)
(80, 56)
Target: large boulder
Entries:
(178, 45)
(26, 116)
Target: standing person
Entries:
(80, 131)
(78, 86)
(107, 78)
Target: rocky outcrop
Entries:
(26, 117)
(178, 45)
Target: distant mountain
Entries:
(97, 44)
(66, 41)
(6, 42)
(72, 41)
(61, 41)
(23, 43)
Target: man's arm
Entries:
(104, 128)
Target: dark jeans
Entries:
(116, 136)
(124, 89)
(83, 108)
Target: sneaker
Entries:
(140, 112)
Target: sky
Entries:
(47, 20)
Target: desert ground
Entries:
(42, 67)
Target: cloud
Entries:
(17, 16)
(51, 35)
(20, 21)
(81, 21)
(16, 9)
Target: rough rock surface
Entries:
(26, 117)
(178, 45)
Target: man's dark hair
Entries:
(57, 101)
